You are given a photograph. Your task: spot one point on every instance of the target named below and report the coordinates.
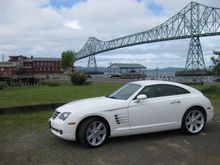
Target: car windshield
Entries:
(125, 92)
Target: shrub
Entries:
(2, 85)
(78, 78)
(50, 83)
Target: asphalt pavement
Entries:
(32, 145)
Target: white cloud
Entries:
(74, 24)
(37, 28)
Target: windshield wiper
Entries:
(112, 97)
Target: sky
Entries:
(46, 28)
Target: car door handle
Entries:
(175, 102)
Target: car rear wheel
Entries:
(193, 121)
(93, 132)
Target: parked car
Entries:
(136, 108)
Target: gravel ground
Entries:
(34, 144)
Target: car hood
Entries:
(95, 104)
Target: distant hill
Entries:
(169, 69)
(100, 69)
(103, 69)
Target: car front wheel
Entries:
(193, 121)
(93, 132)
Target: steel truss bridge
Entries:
(193, 21)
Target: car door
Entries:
(162, 108)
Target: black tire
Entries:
(84, 132)
(193, 121)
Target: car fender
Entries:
(102, 115)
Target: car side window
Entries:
(165, 90)
(169, 90)
(180, 91)
(162, 90)
(149, 91)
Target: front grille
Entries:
(55, 114)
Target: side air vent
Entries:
(121, 119)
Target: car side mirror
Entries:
(140, 97)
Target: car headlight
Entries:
(64, 115)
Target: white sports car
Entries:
(137, 107)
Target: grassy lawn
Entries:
(20, 96)
(211, 91)
(21, 119)
(32, 95)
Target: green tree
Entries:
(216, 67)
(68, 59)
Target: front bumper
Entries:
(62, 129)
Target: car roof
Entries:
(155, 82)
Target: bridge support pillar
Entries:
(195, 60)
(92, 64)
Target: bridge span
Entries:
(193, 21)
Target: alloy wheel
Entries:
(194, 121)
(96, 133)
